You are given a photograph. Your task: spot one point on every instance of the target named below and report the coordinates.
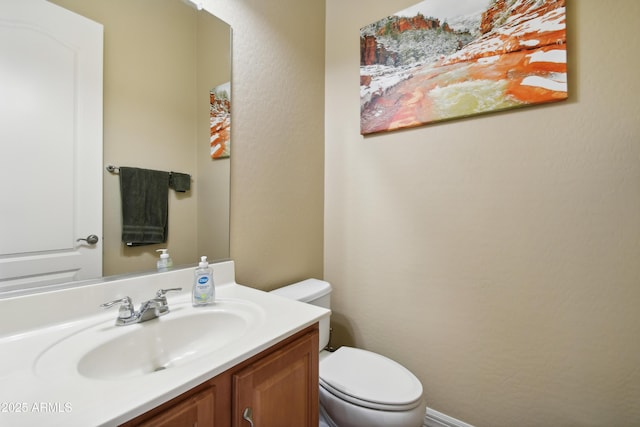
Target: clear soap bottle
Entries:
(203, 286)
(164, 263)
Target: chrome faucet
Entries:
(150, 309)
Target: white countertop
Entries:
(61, 396)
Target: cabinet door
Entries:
(281, 389)
(194, 411)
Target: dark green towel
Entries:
(180, 182)
(145, 206)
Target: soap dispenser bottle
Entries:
(203, 287)
(164, 263)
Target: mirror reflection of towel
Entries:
(145, 206)
(180, 182)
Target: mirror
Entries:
(161, 59)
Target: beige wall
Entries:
(497, 257)
(156, 77)
(277, 155)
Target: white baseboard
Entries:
(434, 418)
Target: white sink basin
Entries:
(184, 335)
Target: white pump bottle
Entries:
(165, 262)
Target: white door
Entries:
(50, 145)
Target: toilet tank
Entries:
(311, 291)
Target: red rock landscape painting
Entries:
(220, 121)
(444, 59)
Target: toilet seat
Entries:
(369, 380)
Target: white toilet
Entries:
(357, 387)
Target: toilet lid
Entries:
(369, 379)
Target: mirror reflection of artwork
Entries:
(443, 59)
(220, 121)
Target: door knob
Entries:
(248, 415)
(91, 239)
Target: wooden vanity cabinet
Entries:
(193, 409)
(281, 389)
(279, 386)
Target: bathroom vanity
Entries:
(276, 387)
(250, 357)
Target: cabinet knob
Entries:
(248, 416)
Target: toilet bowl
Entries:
(359, 387)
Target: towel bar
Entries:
(116, 170)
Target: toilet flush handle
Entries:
(248, 415)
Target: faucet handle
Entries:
(162, 292)
(162, 299)
(126, 307)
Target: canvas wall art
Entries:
(443, 59)
(220, 121)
